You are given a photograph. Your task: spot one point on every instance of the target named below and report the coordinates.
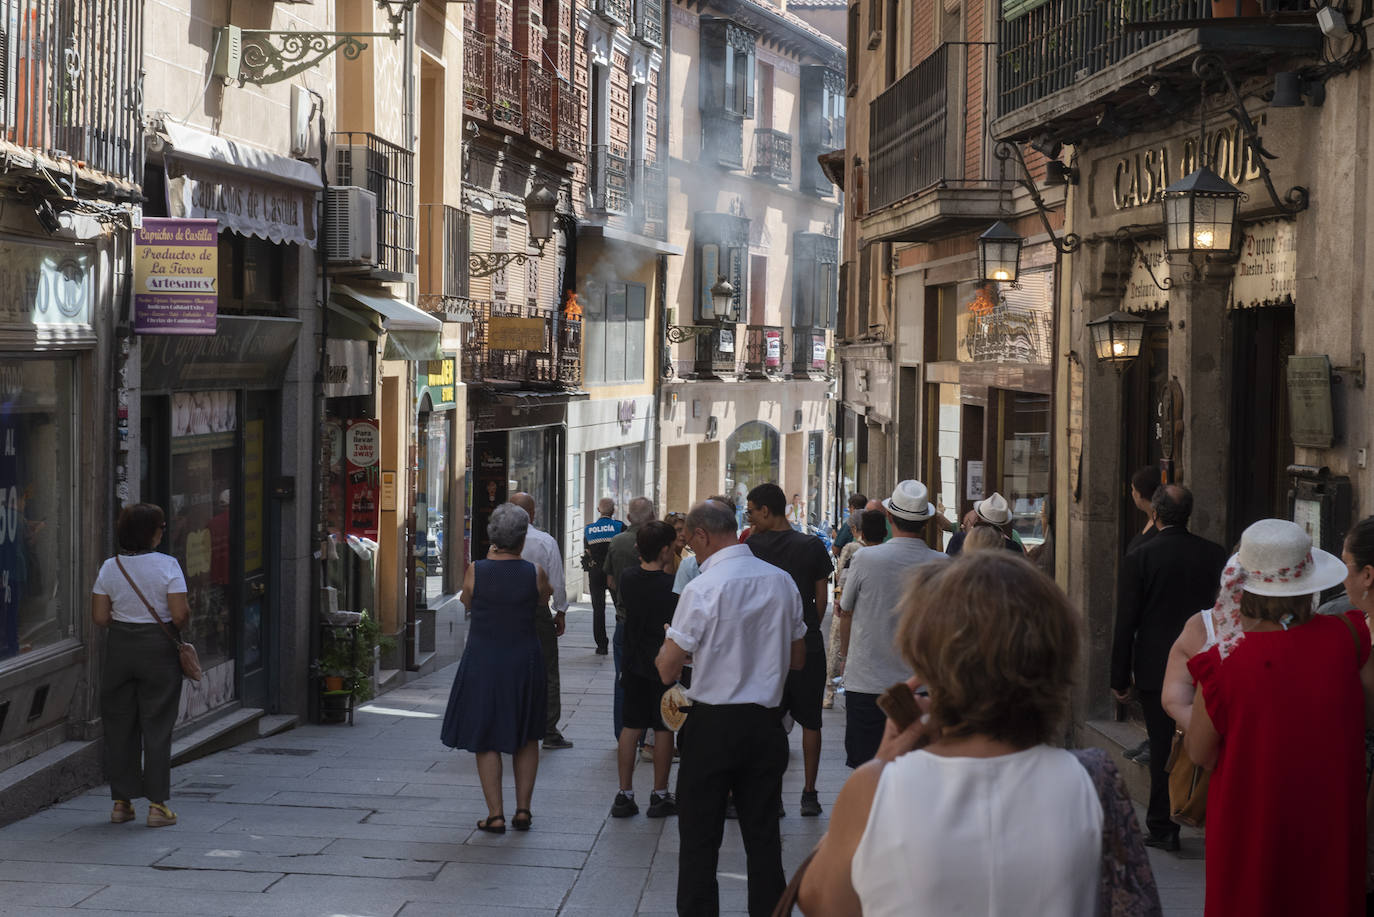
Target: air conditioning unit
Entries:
(358, 165)
(350, 218)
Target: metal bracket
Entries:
(678, 333)
(1123, 235)
(484, 264)
(1356, 372)
(270, 57)
(1070, 241)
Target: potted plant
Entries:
(344, 666)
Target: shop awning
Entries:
(410, 333)
(247, 189)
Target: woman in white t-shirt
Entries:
(140, 688)
(970, 809)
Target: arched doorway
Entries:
(751, 459)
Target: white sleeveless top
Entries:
(1010, 836)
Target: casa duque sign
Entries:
(1139, 178)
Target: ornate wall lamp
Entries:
(539, 210)
(718, 311)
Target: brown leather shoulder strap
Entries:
(151, 610)
(1353, 636)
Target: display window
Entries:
(619, 474)
(751, 459)
(37, 504)
(1026, 461)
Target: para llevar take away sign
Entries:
(176, 271)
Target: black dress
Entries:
(498, 701)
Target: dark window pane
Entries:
(634, 332)
(615, 332)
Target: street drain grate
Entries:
(298, 752)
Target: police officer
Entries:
(597, 537)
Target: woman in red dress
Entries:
(1279, 716)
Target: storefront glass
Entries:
(435, 468)
(751, 459)
(199, 525)
(815, 471)
(1026, 461)
(618, 474)
(529, 472)
(37, 519)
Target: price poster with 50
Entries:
(362, 452)
(176, 269)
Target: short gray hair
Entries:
(640, 511)
(712, 517)
(507, 527)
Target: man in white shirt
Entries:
(542, 551)
(741, 623)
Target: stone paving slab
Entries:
(378, 820)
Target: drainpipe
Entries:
(318, 574)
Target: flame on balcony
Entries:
(572, 309)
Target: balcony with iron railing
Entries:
(1061, 61)
(507, 87)
(722, 139)
(763, 351)
(388, 171)
(617, 11)
(509, 343)
(538, 102)
(930, 170)
(70, 79)
(443, 273)
(649, 22)
(651, 199)
(809, 353)
(476, 73)
(772, 155)
(609, 180)
(568, 128)
(718, 352)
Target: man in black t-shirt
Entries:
(806, 559)
(647, 601)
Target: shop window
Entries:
(1026, 460)
(37, 521)
(751, 459)
(721, 248)
(251, 280)
(613, 317)
(618, 474)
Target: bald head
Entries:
(525, 502)
(1173, 505)
(873, 505)
(606, 507)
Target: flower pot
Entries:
(333, 683)
(1232, 9)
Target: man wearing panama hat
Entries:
(869, 609)
(993, 513)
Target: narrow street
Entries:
(378, 819)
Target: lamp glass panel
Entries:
(541, 225)
(1178, 223)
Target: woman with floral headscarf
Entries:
(1282, 696)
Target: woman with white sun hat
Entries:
(1279, 715)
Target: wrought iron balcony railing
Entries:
(388, 171)
(506, 86)
(923, 134)
(539, 112)
(773, 155)
(476, 72)
(649, 22)
(609, 174)
(447, 308)
(722, 139)
(1058, 42)
(808, 351)
(70, 81)
(529, 345)
(762, 351)
(443, 250)
(569, 125)
(651, 199)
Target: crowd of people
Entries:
(955, 669)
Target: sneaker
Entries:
(810, 803)
(646, 753)
(159, 816)
(624, 806)
(1143, 759)
(556, 741)
(1132, 754)
(661, 806)
(123, 811)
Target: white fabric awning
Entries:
(246, 189)
(411, 334)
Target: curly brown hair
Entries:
(996, 642)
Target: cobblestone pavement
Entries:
(378, 819)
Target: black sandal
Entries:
(522, 824)
(486, 824)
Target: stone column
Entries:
(1199, 361)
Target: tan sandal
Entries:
(159, 816)
(123, 811)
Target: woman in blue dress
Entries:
(498, 700)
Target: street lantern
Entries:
(722, 301)
(1200, 214)
(1117, 337)
(999, 253)
(539, 210)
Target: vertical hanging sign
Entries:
(176, 270)
(362, 452)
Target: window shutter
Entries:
(713, 64)
(748, 59)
